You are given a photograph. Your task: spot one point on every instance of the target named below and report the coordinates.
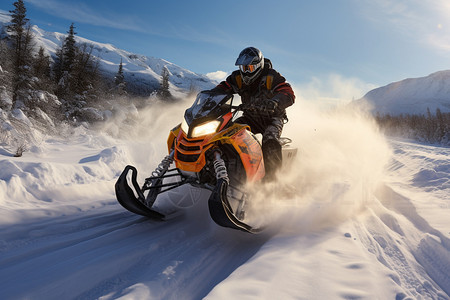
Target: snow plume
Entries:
(156, 118)
(144, 131)
(341, 158)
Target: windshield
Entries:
(208, 105)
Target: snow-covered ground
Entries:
(369, 220)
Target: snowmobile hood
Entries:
(208, 106)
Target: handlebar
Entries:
(251, 107)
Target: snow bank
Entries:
(53, 173)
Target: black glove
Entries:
(269, 106)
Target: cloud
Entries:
(332, 90)
(426, 21)
(84, 13)
(218, 75)
(79, 12)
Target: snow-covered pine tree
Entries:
(163, 91)
(77, 75)
(41, 68)
(5, 75)
(57, 67)
(69, 49)
(22, 42)
(64, 63)
(119, 80)
(17, 27)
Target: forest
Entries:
(51, 92)
(430, 128)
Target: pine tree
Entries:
(57, 68)
(84, 74)
(22, 41)
(64, 64)
(5, 75)
(19, 21)
(441, 126)
(41, 66)
(69, 49)
(77, 76)
(42, 74)
(119, 80)
(163, 91)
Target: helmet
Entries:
(251, 63)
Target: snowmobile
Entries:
(210, 152)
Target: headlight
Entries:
(184, 126)
(205, 128)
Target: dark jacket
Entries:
(269, 85)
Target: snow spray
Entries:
(340, 161)
(341, 158)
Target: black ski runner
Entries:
(221, 212)
(127, 198)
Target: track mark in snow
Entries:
(401, 204)
(87, 253)
(41, 239)
(435, 258)
(211, 255)
(403, 241)
(404, 270)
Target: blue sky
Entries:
(322, 43)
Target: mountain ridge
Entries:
(410, 96)
(142, 73)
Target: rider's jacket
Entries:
(269, 85)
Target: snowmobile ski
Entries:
(221, 211)
(127, 198)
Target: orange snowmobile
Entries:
(210, 151)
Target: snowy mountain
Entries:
(411, 96)
(142, 73)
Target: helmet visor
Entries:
(248, 68)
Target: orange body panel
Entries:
(172, 136)
(190, 152)
(251, 154)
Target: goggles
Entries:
(248, 68)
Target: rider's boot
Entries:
(272, 159)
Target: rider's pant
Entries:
(271, 129)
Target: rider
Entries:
(265, 95)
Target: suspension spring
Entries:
(220, 168)
(164, 165)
